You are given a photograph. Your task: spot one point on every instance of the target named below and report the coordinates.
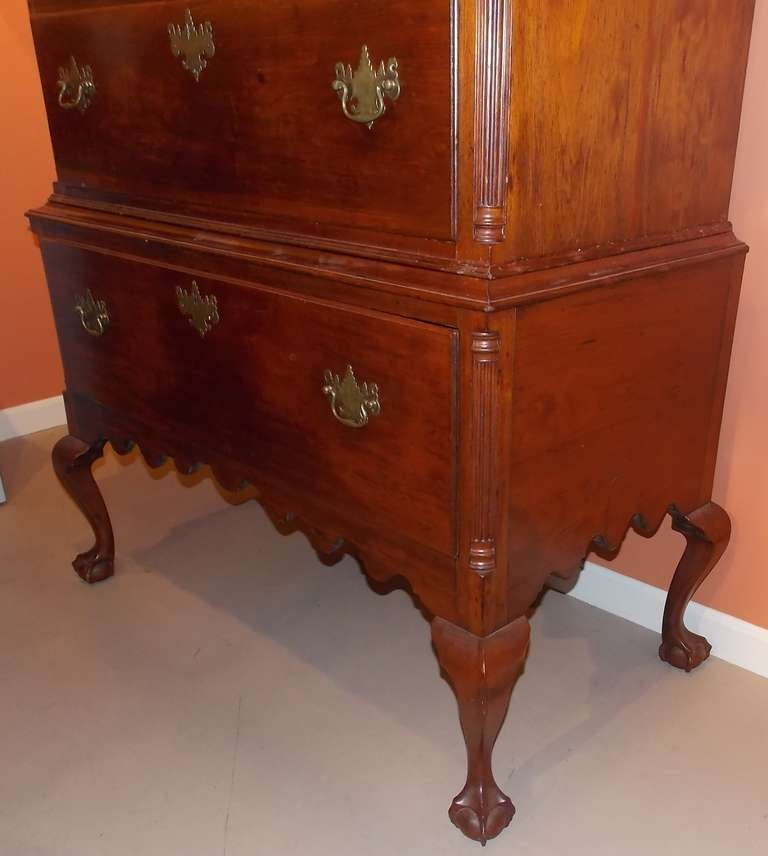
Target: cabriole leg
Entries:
(72, 459)
(482, 671)
(707, 532)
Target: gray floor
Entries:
(227, 694)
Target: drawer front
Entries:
(261, 135)
(267, 384)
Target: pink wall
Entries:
(739, 584)
(28, 351)
(31, 368)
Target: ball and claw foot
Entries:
(707, 531)
(93, 568)
(687, 651)
(481, 819)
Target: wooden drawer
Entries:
(261, 136)
(252, 387)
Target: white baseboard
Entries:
(732, 639)
(32, 417)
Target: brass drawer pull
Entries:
(194, 43)
(93, 314)
(351, 403)
(203, 312)
(76, 86)
(362, 92)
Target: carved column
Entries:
(486, 379)
(493, 74)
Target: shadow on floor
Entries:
(235, 561)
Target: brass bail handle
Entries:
(353, 404)
(362, 92)
(93, 314)
(202, 311)
(76, 86)
(193, 43)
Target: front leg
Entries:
(482, 671)
(707, 531)
(72, 459)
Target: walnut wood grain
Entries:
(254, 384)
(622, 138)
(260, 138)
(72, 460)
(707, 531)
(614, 416)
(483, 672)
(625, 121)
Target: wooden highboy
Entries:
(451, 282)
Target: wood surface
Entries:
(386, 556)
(253, 386)
(624, 122)
(261, 136)
(493, 81)
(614, 392)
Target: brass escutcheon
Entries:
(203, 312)
(93, 314)
(192, 42)
(362, 91)
(351, 403)
(76, 86)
